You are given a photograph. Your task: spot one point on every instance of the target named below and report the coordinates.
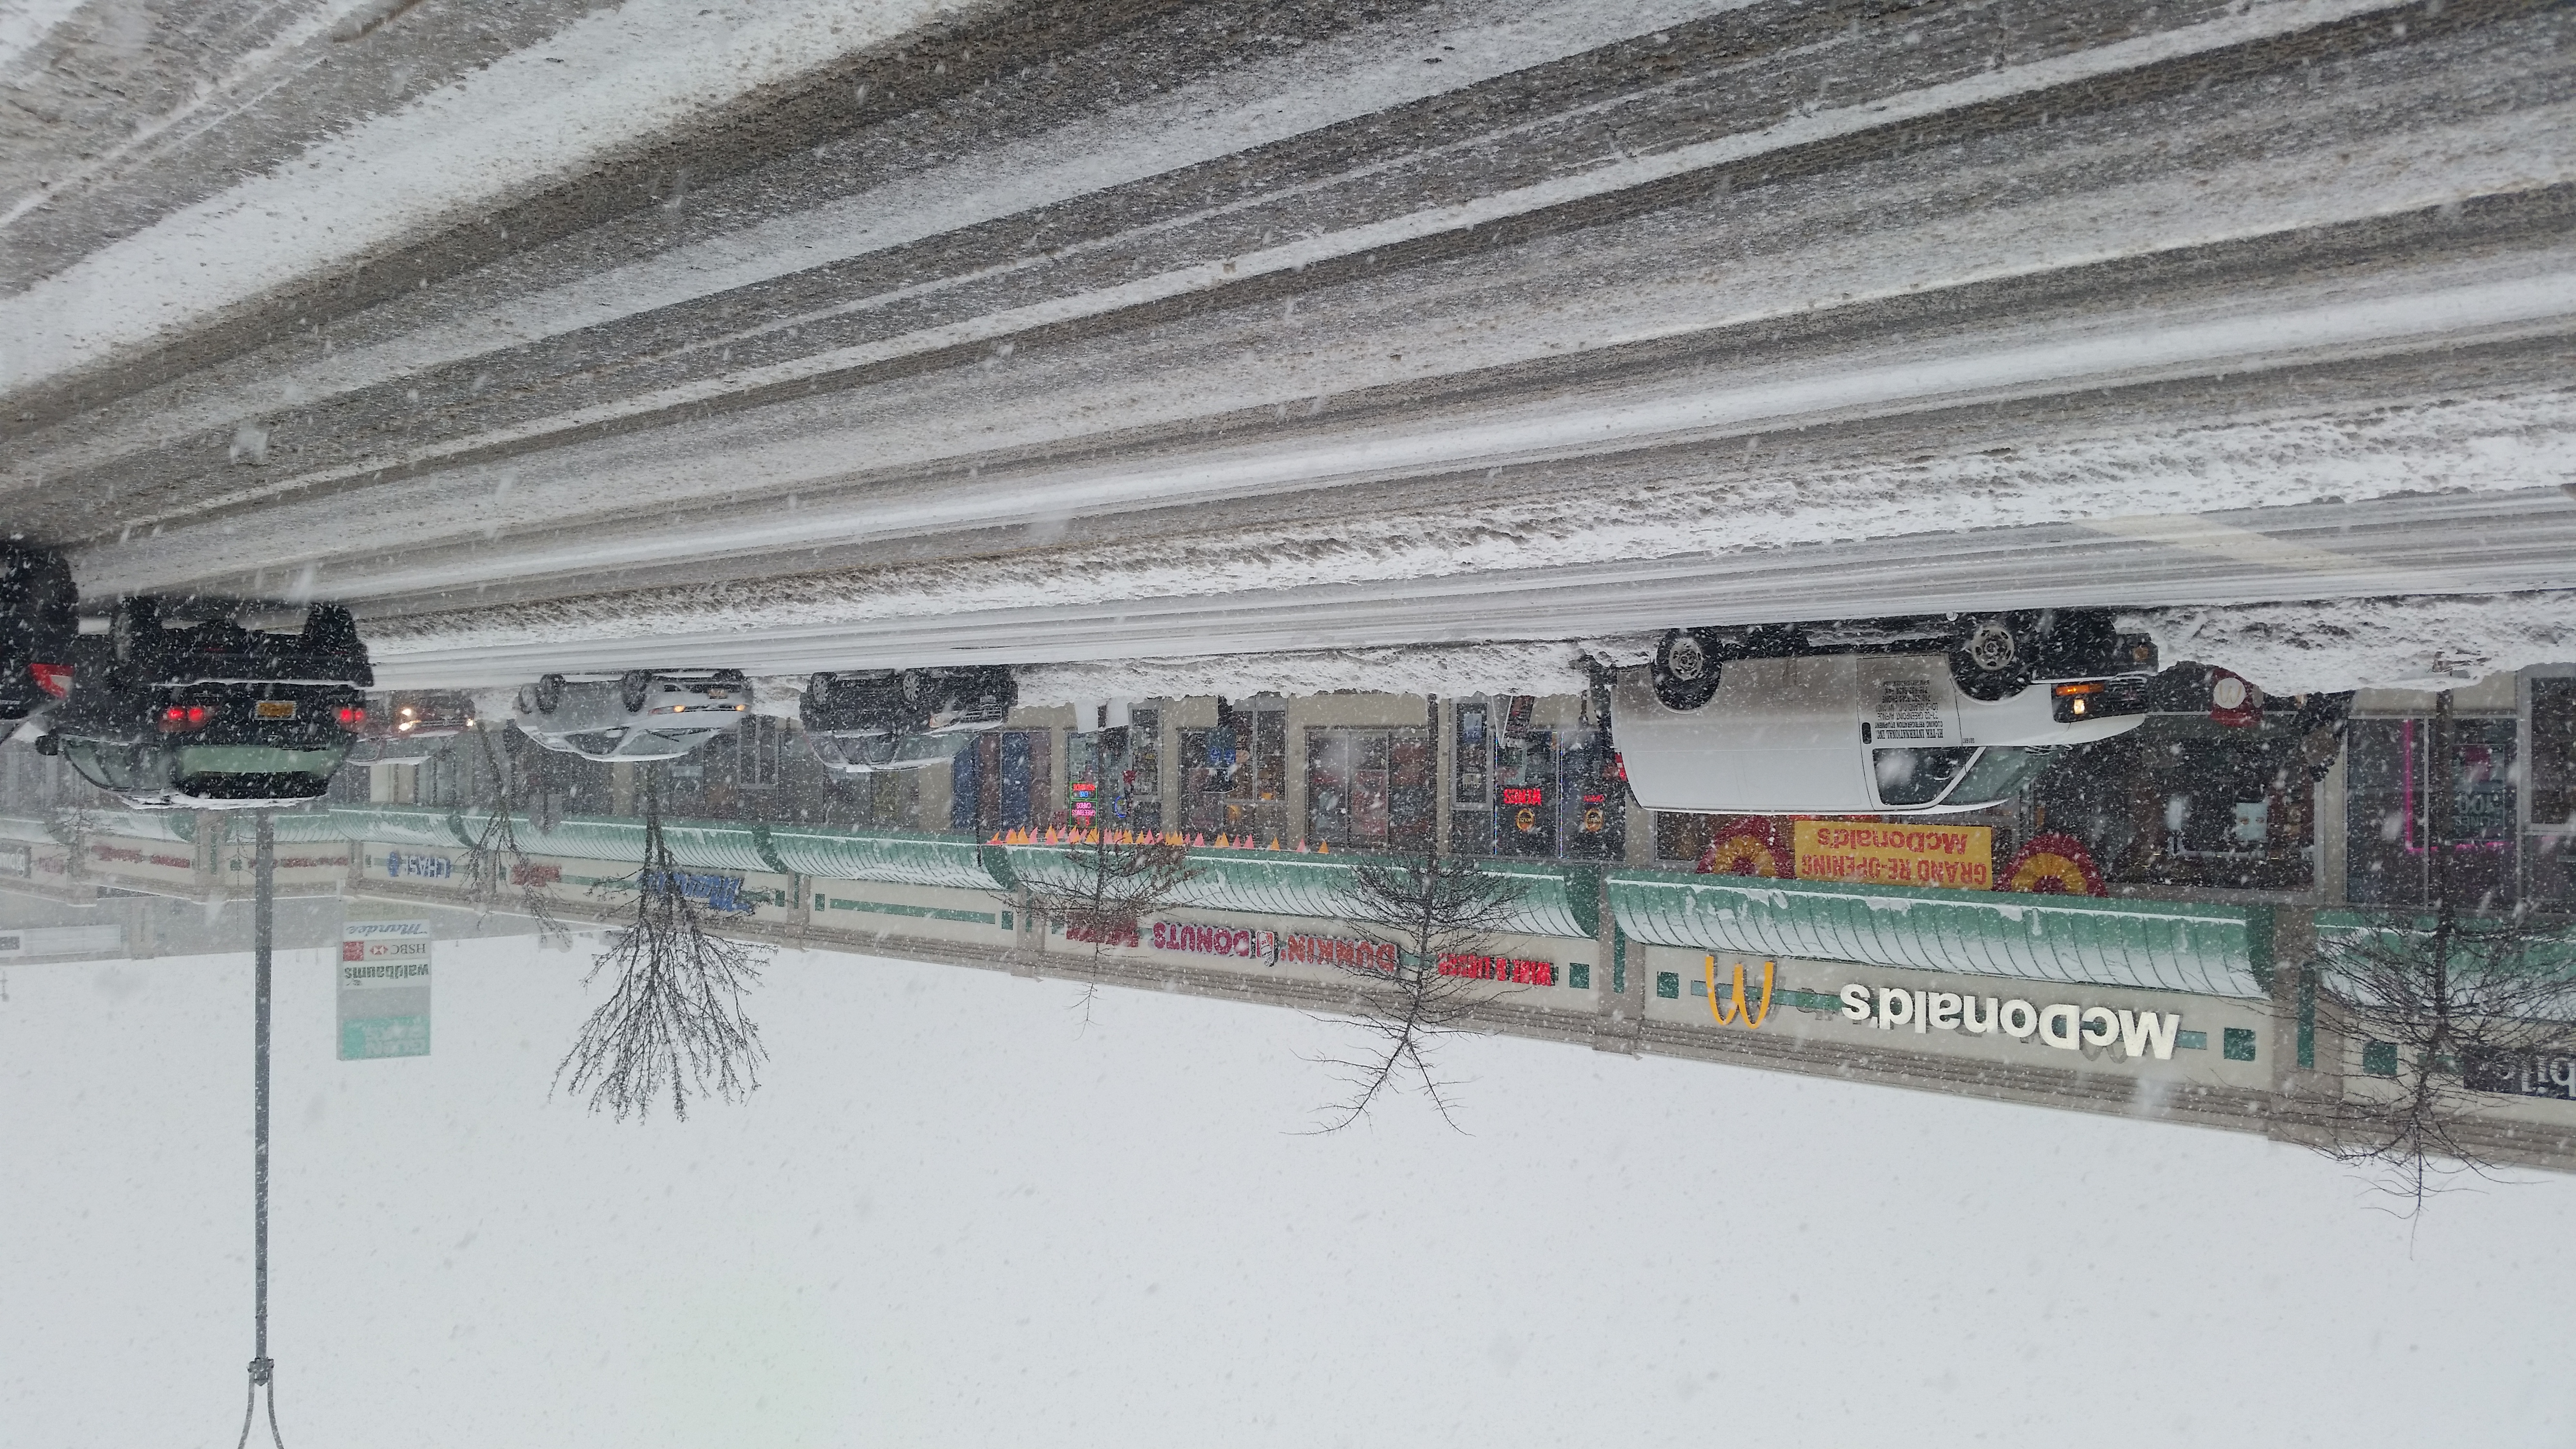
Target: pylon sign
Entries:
(384, 989)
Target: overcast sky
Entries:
(950, 1216)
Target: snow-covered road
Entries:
(967, 333)
(2494, 543)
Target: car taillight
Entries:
(2077, 701)
(353, 716)
(53, 679)
(180, 718)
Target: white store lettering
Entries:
(2062, 1025)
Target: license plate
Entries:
(274, 709)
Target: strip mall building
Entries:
(2179, 991)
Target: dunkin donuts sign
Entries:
(1270, 947)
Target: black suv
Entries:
(37, 625)
(214, 715)
(894, 719)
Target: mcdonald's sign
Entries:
(1735, 1008)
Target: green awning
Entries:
(2159, 945)
(2553, 951)
(896, 857)
(695, 844)
(399, 825)
(1284, 883)
(287, 827)
(18, 827)
(173, 825)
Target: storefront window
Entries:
(1592, 815)
(1111, 776)
(1536, 792)
(1234, 778)
(2549, 851)
(1000, 783)
(2553, 754)
(2390, 836)
(1525, 794)
(1369, 789)
(1474, 754)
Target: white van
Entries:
(1823, 733)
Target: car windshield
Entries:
(1909, 776)
(661, 744)
(893, 752)
(2000, 772)
(596, 742)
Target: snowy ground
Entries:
(950, 1217)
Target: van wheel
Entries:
(1992, 660)
(634, 687)
(549, 692)
(1685, 669)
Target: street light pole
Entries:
(263, 934)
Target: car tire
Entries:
(331, 629)
(1992, 660)
(634, 688)
(1686, 669)
(548, 693)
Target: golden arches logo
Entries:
(1735, 1007)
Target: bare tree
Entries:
(2456, 1002)
(503, 786)
(1113, 880)
(1423, 912)
(70, 822)
(674, 1022)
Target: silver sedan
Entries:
(639, 715)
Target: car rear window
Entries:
(108, 766)
(259, 760)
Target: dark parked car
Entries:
(37, 625)
(902, 719)
(213, 715)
